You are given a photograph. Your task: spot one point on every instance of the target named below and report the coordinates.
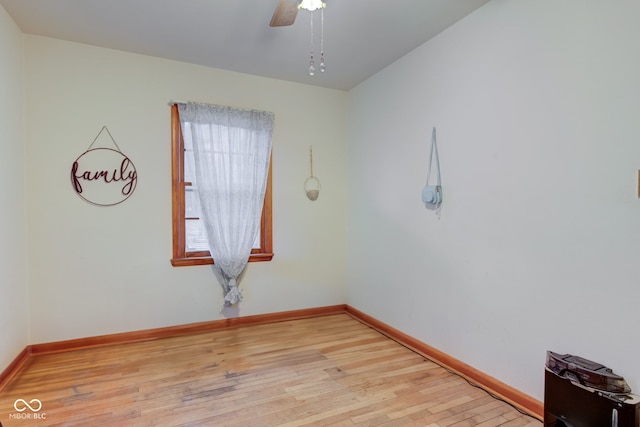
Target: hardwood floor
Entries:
(323, 371)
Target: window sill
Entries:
(207, 260)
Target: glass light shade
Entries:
(311, 5)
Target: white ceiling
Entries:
(361, 37)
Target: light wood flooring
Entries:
(323, 371)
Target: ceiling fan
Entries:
(287, 10)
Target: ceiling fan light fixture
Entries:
(311, 5)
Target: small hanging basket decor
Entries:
(104, 176)
(312, 184)
(312, 187)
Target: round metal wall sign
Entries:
(104, 176)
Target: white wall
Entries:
(537, 108)
(98, 270)
(14, 320)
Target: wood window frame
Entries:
(181, 257)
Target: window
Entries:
(189, 244)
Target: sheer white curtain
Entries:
(232, 149)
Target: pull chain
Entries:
(322, 66)
(312, 63)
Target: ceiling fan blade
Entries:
(285, 13)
